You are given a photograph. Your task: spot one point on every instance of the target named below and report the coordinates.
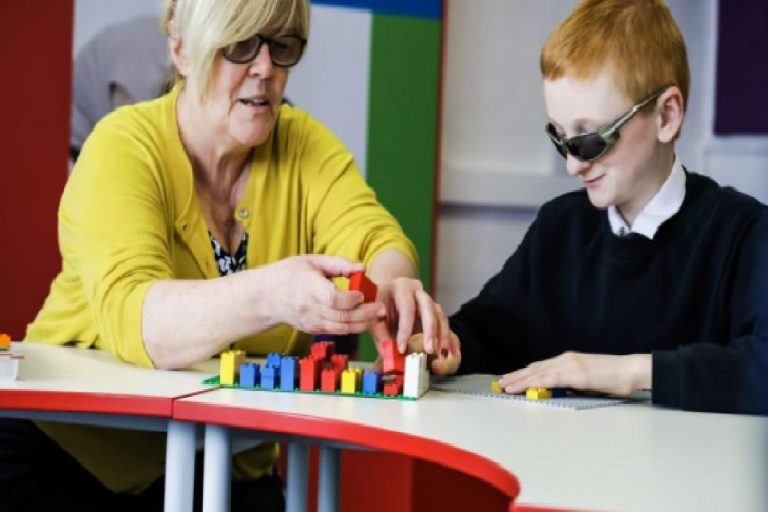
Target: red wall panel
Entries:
(35, 85)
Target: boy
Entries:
(650, 276)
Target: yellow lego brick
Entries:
(229, 366)
(495, 388)
(538, 393)
(350, 380)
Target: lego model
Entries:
(324, 371)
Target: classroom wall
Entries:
(497, 165)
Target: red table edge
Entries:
(527, 507)
(363, 435)
(88, 402)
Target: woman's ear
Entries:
(671, 112)
(176, 49)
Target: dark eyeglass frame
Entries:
(600, 141)
(257, 42)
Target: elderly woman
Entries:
(215, 215)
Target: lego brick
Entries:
(274, 360)
(270, 377)
(350, 380)
(538, 394)
(559, 392)
(393, 361)
(5, 342)
(394, 386)
(310, 374)
(340, 362)
(371, 383)
(229, 365)
(250, 376)
(416, 379)
(288, 373)
(495, 387)
(360, 282)
(329, 380)
(322, 350)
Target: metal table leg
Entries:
(217, 476)
(180, 467)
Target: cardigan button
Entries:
(243, 213)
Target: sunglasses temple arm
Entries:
(616, 125)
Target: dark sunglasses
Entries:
(285, 51)
(591, 146)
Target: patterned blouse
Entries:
(225, 262)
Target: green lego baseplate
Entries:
(214, 381)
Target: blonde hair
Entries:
(207, 26)
(638, 40)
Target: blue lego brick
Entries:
(250, 376)
(273, 360)
(559, 392)
(371, 383)
(288, 374)
(270, 377)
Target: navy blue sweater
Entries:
(696, 297)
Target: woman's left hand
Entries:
(617, 375)
(411, 310)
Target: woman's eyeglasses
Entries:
(591, 146)
(285, 51)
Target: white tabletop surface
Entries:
(628, 457)
(48, 367)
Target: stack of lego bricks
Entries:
(324, 371)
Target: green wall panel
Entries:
(403, 128)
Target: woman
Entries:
(214, 216)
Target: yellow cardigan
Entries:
(129, 216)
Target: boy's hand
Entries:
(616, 375)
(446, 360)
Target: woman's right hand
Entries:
(301, 294)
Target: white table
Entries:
(629, 457)
(89, 386)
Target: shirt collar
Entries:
(659, 209)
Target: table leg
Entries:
(328, 485)
(180, 467)
(297, 478)
(217, 478)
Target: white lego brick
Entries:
(416, 380)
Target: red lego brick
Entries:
(340, 362)
(394, 387)
(329, 380)
(394, 361)
(360, 282)
(322, 350)
(309, 379)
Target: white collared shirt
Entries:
(664, 205)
